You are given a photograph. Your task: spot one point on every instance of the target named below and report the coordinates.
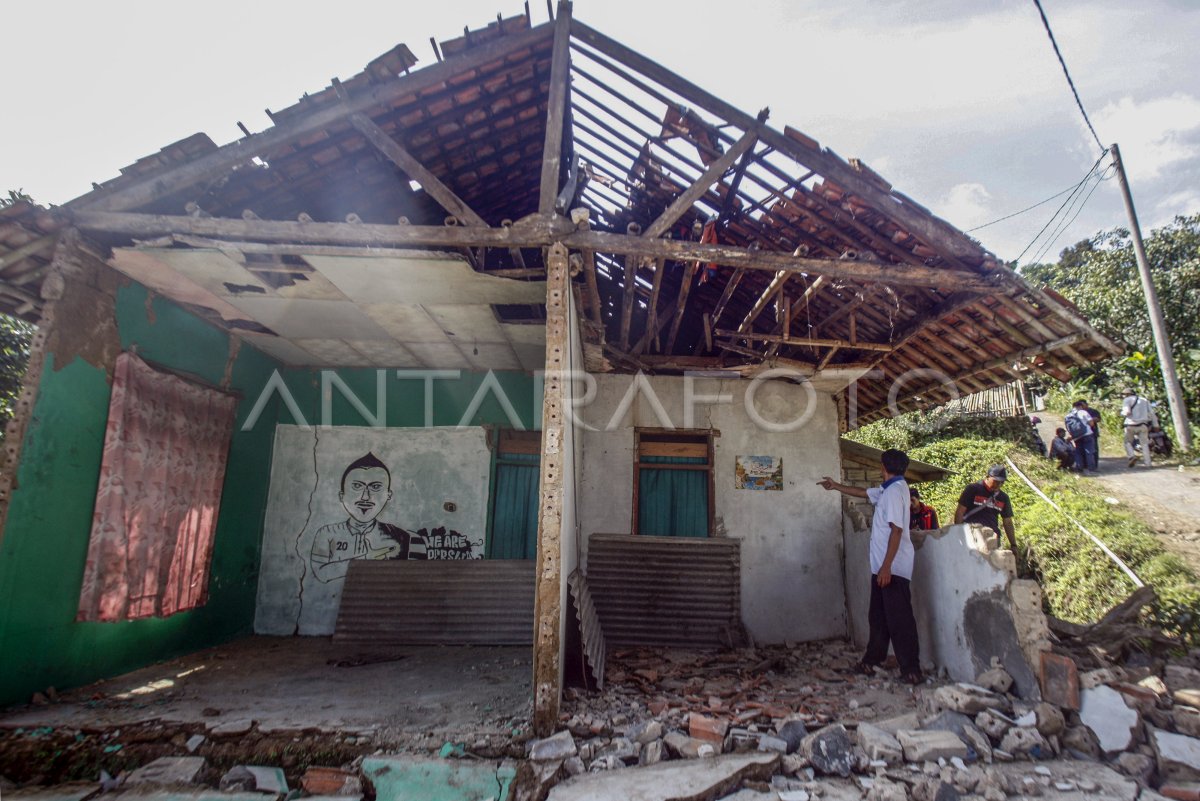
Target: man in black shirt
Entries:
(986, 504)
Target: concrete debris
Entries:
(1188, 696)
(969, 699)
(232, 728)
(168, 770)
(997, 679)
(554, 748)
(1081, 742)
(879, 745)
(1136, 766)
(669, 780)
(885, 790)
(829, 751)
(1180, 677)
(792, 731)
(254, 778)
(1105, 712)
(652, 753)
(1026, 742)
(1178, 756)
(1050, 719)
(194, 742)
(926, 746)
(968, 732)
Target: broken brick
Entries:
(1059, 680)
(703, 727)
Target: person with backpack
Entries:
(1079, 425)
(986, 504)
(1139, 419)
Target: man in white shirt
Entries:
(1139, 416)
(891, 617)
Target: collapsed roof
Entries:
(711, 240)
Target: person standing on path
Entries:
(1139, 417)
(1079, 425)
(890, 617)
(986, 504)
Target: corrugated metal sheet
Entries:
(665, 590)
(471, 602)
(589, 625)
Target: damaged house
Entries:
(537, 345)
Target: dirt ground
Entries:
(1165, 497)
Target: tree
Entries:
(15, 336)
(1100, 276)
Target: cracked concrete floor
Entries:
(295, 683)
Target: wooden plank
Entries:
(693, 193)
(689, 275)
(556, 110)
(732, 256)
(433, 185)
(730, 286)
(629, 292)
(512, 441)
(593, 287)
(689, 449)
(216, 164)
(548, 611)
(771, 291)
(535, 233)
(36, 246)
(805, 341)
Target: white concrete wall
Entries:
(791, 540)
(429, 468)
(968, 604)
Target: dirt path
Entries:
(1165, 497)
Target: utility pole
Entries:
(1161, 342)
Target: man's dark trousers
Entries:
(891, 620)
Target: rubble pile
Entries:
(1110, 699)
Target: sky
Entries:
(960, 105)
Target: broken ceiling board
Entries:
(211, 269)
(492, 356)
(311, 319)
(445, 356)
(334, 353)
(386, 354)
(396, 279)
(284, 350)
(473, 323)
(152, 273)
(406, 322)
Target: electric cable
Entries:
(1066, 72)
(1022, 211)
(1075, 190)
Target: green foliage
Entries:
(1100, 276)
(15, 337)
(914, 429)
(1079, 581)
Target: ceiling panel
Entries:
(384, 279)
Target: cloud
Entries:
(1185, 202)
(966, 205)
(1154, 135)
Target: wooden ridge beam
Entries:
(807, 341)
(225, 158)
(732, 256)
(535, 233)
(701, 185)
(556, 110)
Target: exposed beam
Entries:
(30, 248)
(689, 275)
(727, 293)
(414, 169)
(733, 256)
(534, 233)
(916, 221)
(697, 190)
(806, 296)
(773, 289)
(807, 341)
(653, 324)
(629, 292)
(219, 162)
(593, 288)
(556, 111)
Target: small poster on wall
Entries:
(758, 473)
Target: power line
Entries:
(1066, 72)
(1022, 211)
(1070, 198)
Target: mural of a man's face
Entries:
(365, 491)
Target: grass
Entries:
(1079, 582)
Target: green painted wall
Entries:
(45, 543)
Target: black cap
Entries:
(913, 493)
(998, 471)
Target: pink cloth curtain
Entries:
(160, 490)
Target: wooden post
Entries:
(1166, 360)
(556, 109)
(548, 611)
